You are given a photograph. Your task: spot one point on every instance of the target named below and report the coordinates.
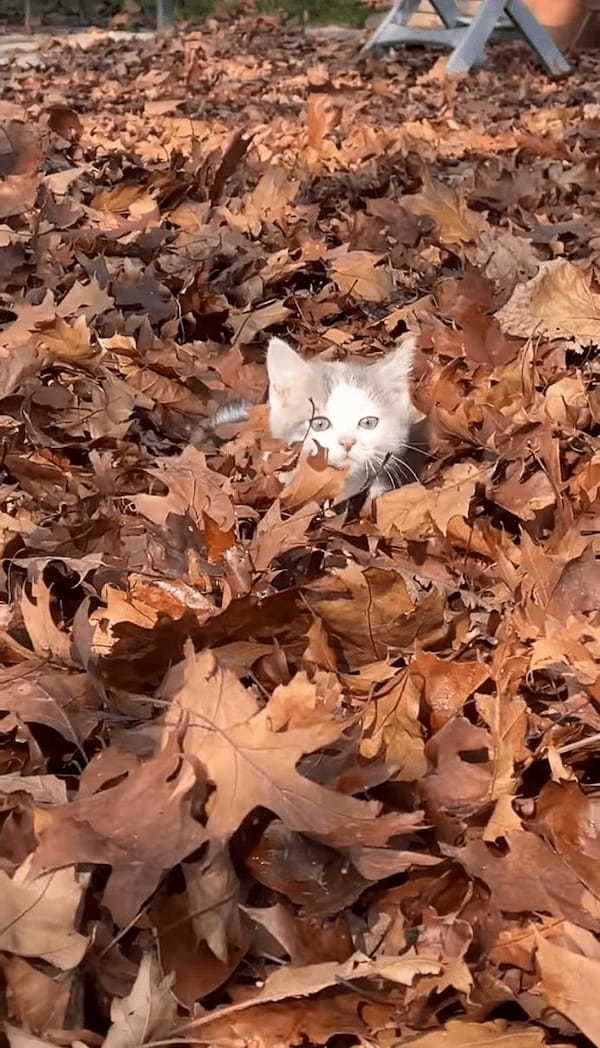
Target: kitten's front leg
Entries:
(379, 487)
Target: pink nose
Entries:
(347, 443)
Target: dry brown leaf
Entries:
(289, 981)
(531, 877)
(313, 480)
(570, 983)
(193, 490)
(148, 1013)
(247, 325)
(227, 731)
(462, 1034)
(117, 827)
(68, 341)
(275, 536)
(411, 510)
(90, 300)
(37, 693)
(446, 684)
(358, 275)
(391, 730)
(47, 639)
(36, 999)
(456, 224)
(38, 915)
(557, 303)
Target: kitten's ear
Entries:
(394, 370)
(285, 367)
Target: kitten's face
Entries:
(360, 414)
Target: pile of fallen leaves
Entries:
(275, 771)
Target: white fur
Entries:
(344, 408)
(344, 393)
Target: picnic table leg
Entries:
(471, 47)
(538, 38)
(399, 14)
(165, 13)
(447, 11)
(31, 13)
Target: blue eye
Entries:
(320, 423)
(368, 422)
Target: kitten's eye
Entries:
(320, 423)
(368, 422)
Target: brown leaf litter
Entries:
(275, 771)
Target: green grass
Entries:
(314, 12)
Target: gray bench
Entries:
(467, 37)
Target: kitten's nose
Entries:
(347, 443)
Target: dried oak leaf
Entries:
(391, 730)
(275, 536)
(119, 828)
(293, 981)
(39, 1001)
(162, 390)
(20, 157)
(89, 299)
(247, 325)
(37, 916)
(36, 693)
(526, 497)
(290, 1023)
(569, 817)
(412, 510)
(18, 1038)
(570, 983)
(302, 701)
(558, 303)
(148, 1013)
(45, 636)
(311, 875)
(460, 1034)
(253, 766)
(530, 877)
(43, 789)
(268, 202)
(456, 224)
(312, 480)
(193, 489)
(197, 970)
(372, 611)
(358, 275)
(306, 939)
(457, 784)
(145, 605)
(446, 684)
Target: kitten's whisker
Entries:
(418, 450)
(401, 464)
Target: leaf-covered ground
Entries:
(271, 772)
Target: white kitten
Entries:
(361, 414)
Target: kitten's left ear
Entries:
(394, 370)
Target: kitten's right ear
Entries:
(285, 367)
